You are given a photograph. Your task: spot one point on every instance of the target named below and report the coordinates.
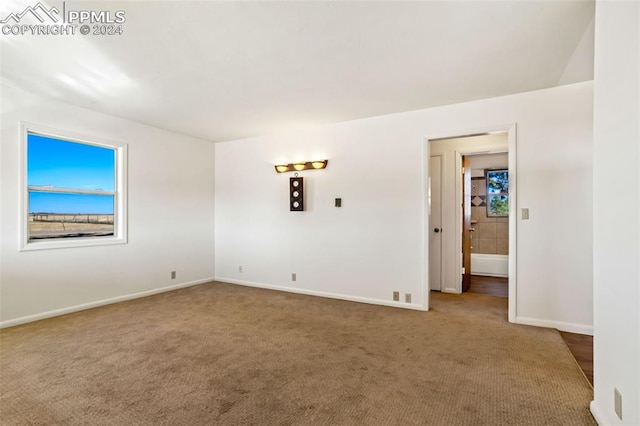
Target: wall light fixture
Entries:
(303, 165)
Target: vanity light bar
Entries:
(296, 167)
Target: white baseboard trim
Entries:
(346, 297)
(98, 303)
(597, 414)
(562, 326)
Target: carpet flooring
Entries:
(229, 355)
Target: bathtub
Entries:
(494, 265)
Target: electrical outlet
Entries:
(294, 276)
(239, 268)
(525, 214)
(617, 402)
(407, 297)
(173, 275)
(396, 296)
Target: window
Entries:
(74, 192)
(497, 192)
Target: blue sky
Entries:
(61, 164)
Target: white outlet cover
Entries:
(617, 402)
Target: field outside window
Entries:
(74, 191)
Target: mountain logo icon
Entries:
(39, 11)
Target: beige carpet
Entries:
(224, 354)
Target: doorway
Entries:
(485, 227)
(444, 225)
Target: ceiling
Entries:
(229, 70)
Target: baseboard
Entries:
(562, 326)
(597, 414)
(338, 296)
(98, 303)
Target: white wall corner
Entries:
(580, 65)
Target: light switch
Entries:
(525, 214)
(338, 202)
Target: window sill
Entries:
(71, 243)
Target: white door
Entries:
(435, 223)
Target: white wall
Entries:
(374, 244)
(170, 217)
(616, 205)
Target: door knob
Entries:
(472, 229)
(436, 230)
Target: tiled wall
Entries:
(491, 234)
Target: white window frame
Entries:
(500, 194)
(120, 194)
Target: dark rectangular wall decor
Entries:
(296, 194)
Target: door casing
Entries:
(466, 223)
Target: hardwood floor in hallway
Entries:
(492, 286)
(581, 346)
